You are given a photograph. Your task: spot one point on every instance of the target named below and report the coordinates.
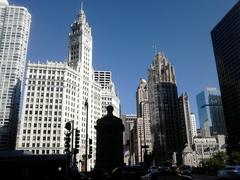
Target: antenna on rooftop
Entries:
(155, 48)
(81, 5)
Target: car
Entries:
(163, 175)
(185, 170)
(153, 169)
(133, 172)
(164, 169)
(229, 172)
(78, 176)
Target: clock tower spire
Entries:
(80, 44)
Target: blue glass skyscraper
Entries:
(210, 112)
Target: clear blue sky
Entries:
(123, 34)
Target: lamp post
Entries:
(86, 142)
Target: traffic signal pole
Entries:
(67, 140)
(76, 147)
(90, 149)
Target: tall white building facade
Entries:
(108, 92)
(14, 34)
(56, 93)
(143, 125)
(193, 124)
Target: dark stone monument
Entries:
(109, 142)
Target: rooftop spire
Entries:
(81, 16)
(81, 6)
(155, 48)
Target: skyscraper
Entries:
(55, 93)
(164, 113)
(210, 112)
(226, 46)
(108, 92)
(128, 138)
(143, 117)
(193, 125)
(14, 34)
(185, 117)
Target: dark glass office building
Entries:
(164, 111)
(226, 45)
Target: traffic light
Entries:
(90, 149)
(77, 138)
(67, 142)
(76, 151)
(90, 141)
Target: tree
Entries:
(217, 161)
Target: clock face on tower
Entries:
(74, 40)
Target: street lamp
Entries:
(86, 142)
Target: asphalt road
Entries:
(204, 177)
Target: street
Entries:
(204, 177)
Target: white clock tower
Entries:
(80, 45)
(80, 59)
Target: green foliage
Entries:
(217, 161)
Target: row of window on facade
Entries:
(40, 100)
(39, 125)
(34, 131)
(45, 88)
(30, 112)
(45, 151)
(30, 118)
(46, 72)
(46, 77)
(44, 83)
(38, 94)
(39, 138)
(41, 145)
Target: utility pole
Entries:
(86, 142)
